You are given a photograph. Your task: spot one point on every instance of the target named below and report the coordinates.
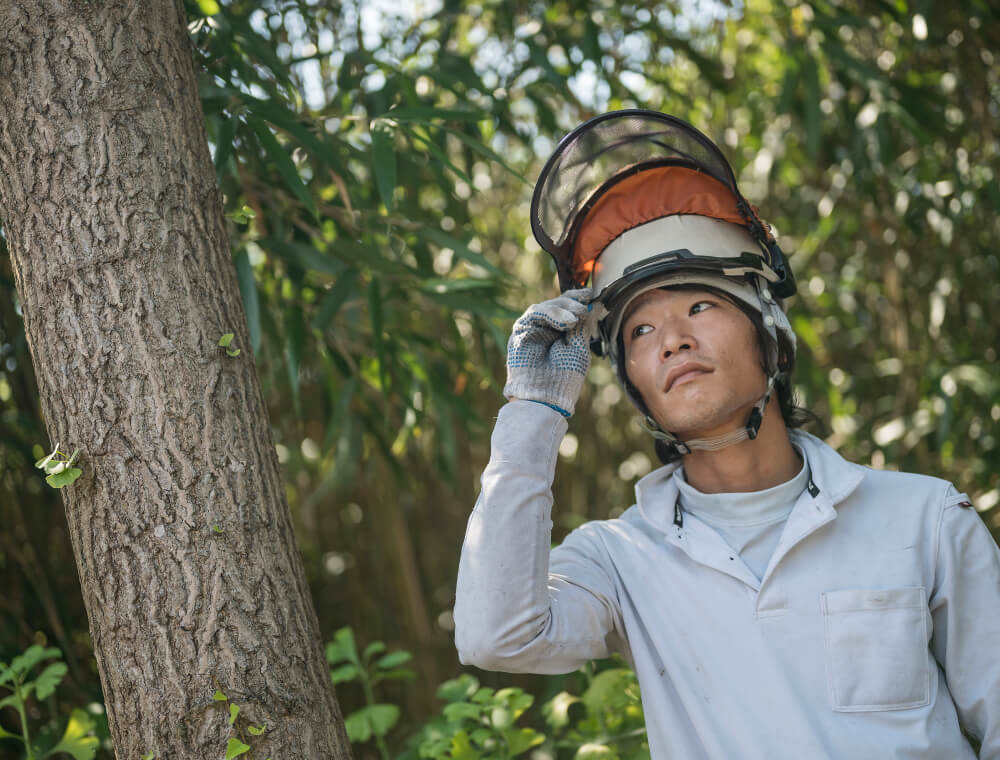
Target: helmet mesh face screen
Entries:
(608, 148)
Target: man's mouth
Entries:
(684, 373)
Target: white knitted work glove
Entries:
(548, 352)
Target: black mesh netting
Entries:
(604, 148)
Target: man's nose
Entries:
(674, 340)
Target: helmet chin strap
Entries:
(746, 433)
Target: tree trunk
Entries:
(180, 527)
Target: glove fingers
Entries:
(549, 315)
(581, 295)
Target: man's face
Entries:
(693, 357)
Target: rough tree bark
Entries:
(179, 524)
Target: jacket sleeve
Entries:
(965, 607)
(511, 613)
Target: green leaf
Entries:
(375, 314)
(223, 144)
(335, 297)
(384, 160)
(517, 699)
(556, 710)
(376, 647)
(483, 696)
(64, 478)
(208, 7)
(280, 116)
(49, 679)
(595, 752)
(256, 730)
(342, 647)
(234, 710)
(442, 285)
(251, 299)
(608, 689)
(426, 113)
(501, 717)
(235, 748)
(242, 215)
(462, 251)
(344, 673)
(383, 718)
(233, 352)
(521, 739)
(813, 114)
(433, 148)
(149, 756)
(484, 150)
(29, 658)
(459, 711)
(55, 466)
(458, 689)
(294, 347)
(462, 749)
(306, 256)
(373, 720)
(226, 339)
(286, 167)
(5, 734)
(219, 696)
(393, 660)
(78, 739)
(358, 727)
(398, 674)
(260, 52)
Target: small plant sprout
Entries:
(235, 748)
(241, 215)
(368, 668)
(59, 469)
(225, 340)
(237, 745)
(37, 673)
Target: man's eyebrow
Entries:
(632, 310)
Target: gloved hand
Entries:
(548, 352)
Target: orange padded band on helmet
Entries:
(643, 197)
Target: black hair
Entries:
(793, 415)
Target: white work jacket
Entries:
(873, 633)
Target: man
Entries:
(775, 600)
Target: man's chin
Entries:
(690, 430)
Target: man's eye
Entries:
(641, 330)
(701, 306)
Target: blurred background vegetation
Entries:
(376, 161)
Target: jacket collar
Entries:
(834, 476)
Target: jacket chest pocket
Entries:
(876, 649)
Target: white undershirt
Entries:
(750, 522)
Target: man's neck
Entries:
(766, 461)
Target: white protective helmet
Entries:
(635, 200)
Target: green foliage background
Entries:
(376, 163)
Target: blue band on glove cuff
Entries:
(559, 409)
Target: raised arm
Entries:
(510, 613)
